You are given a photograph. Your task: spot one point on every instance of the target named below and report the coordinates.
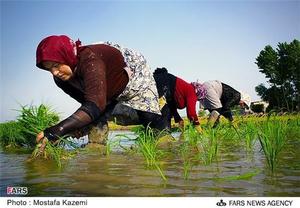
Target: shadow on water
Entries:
(235, 173)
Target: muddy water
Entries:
(124, 174)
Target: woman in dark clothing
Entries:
(97, 76)
(178, 95)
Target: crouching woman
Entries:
(97, 76)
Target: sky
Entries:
(194, 40)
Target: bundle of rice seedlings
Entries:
(32, 120)
(147, 145)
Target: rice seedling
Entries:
(228, 134)
(272, 137)
(209, 145)
(191, 136)
(188, 149)
(187, 167)
(147, 145)
(186, 156)
(196, 147)
(249, 133)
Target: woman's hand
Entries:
(40, 138)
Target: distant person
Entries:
(98, 76)
(218, 98)
(178, 94)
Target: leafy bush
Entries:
(10, 134)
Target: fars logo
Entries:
(11, 190)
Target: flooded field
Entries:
(236, 172)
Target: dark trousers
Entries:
(125, 115)
(229, 98)
(155, 121)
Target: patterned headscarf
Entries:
(60, 49)
(200, 90)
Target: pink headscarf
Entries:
(200, 90)
(60, 49)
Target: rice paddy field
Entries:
(259, 156)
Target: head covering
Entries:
(60, 49)
(200, 90)
(246, 99)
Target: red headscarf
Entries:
(60, 49)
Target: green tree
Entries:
(282, 69)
